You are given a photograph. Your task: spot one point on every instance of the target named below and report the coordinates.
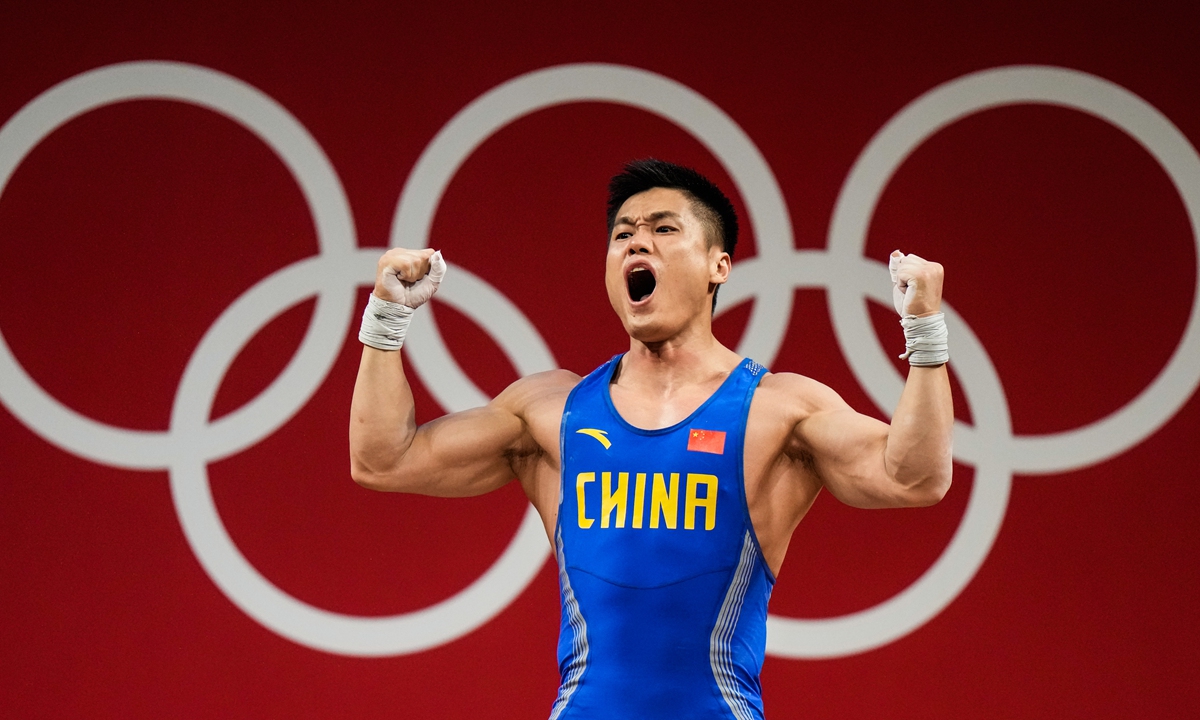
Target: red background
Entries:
(126, 233)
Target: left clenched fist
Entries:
(409, 277)
(916, 285)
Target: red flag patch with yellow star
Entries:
(707, 441)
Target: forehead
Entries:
(656, 200)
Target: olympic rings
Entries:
(192, 441)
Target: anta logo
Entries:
(600, 435)
(654, 502)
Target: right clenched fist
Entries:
(409, 277)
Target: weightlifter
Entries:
(671, 478)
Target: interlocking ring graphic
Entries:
(192, 442)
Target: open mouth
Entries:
(640, 283)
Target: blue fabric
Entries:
(664, 587)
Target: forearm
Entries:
(382, 418)
(919, 451)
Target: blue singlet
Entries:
(664, 587)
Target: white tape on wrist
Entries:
(384, 324)
(926, 340)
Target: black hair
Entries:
(708, 202)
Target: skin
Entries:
(800, 435)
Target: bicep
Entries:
(848, 454)
(459, 455)
(848, 451)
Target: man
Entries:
(670, 479)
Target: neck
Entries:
(677, 361)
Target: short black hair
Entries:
(708, 202)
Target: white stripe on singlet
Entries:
(720, 654)
(579, 641)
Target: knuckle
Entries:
(393, 259)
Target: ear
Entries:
(721, 264)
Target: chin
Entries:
(645, 330)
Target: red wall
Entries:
(173, 547)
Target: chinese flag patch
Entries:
(708, 441)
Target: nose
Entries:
(640, 242)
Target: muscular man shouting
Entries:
(671, 478)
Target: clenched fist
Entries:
(916, 285)
(409, 277)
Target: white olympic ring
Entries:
(990, 444)
(192, 441)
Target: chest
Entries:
(632, 496)
(655, 411)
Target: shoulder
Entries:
(786, 410)
(538, 392)
(529, 412)
(796, 395)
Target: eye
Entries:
(664, 229)
(622, 235)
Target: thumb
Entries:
(894, 261)
(437, 267)
(898, 287)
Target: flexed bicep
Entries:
(458, 455)
(848, 451)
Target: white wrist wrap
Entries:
(384, 324)
(925, 340)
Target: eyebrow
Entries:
(652, 217)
